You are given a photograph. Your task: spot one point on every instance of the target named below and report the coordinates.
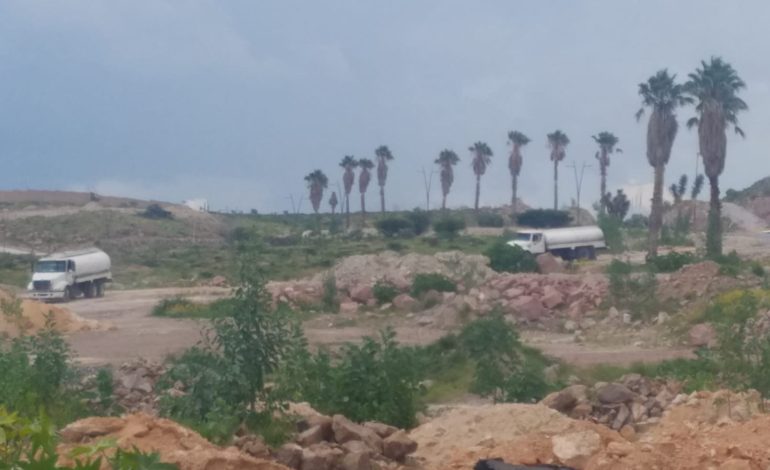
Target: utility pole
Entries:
(579, 183)
(427, 181)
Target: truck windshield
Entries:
(523, 237)
(51, 267)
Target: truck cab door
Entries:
(538, 243)
(70, 272)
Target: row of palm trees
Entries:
(712, 88)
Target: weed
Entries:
(384, 292)
(448, 227)
(513, 259)
(425, 282)
(670, 262)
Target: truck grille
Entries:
(42, 285)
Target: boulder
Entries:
(552, 298)
(513, 293)
(398, 445)
(290, 455)
(356, 447)
(528, 307)
(349, 308)
(311, 436)
(548, 264)
(405, 302)
(362, 294)
(574, 449)
(702, 335)
(382, 430)
(346, 430)
(253, 445)
(356, 461)
(614, 393)
(91, 427)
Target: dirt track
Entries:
(137, 333)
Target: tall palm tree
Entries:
(481, 159)
(383, 157)
(557, 141)
(663, 95)
(515, 161)
(349, 163)
(446, 160)
(333, 202)
(714, 87)
(607, 142)
(316, 183)
(364, 176)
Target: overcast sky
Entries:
(235, 101)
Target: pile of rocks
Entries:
(134, 386)
(696, 281)
(626, 406)
(336, 443)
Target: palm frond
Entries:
(692, 122)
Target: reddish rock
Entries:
(356, 461)
(311, 436)
(290, 455)
(513, 293)
(548, 264)
(346, 430)
(362, 294)
(528, 307)
(552, 298)
(404, 302)
(382, 430)
(398, 446)
(702, 334)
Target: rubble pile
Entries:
(695, 281)
(175, 443)
(336, 443)
(628, 406)
(27, 316)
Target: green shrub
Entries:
(393, 226)
(543, 218)
(384, 292)
(730, 264)
(513, 259)
(635, 292)
(448, 226)
(489, 219)
(425, 282)
(637, 221)
(329, 298)
(670, 262)
(156, 212)
(613, 233)
(757, 269)
(420, 221)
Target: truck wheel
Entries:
(67, 294)
(591, 252)
(100, 289)
(89, 290)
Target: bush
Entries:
(613, 234)
(543, 218)
(375, 381)
(156, 212)
(730, 264)
(678, 233)
(513, 259)
(420, 221)
(329, 298)
(384, 292)
(670, 262)
(635, 292)
(490, 219)
(392, 226)
(448, 226)
(425, 282)
(637, 221)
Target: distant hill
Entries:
(755, 198)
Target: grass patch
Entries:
(180, 307)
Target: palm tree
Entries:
(316, 183)
(663, 95)
(333, 202)
(607, 142)
(363, 181)
(515, 161)
(557, 141)
(383, 157)
(349, 163)
(446, 160)
(714, 87)
(481, 159)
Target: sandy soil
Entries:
(137, 333)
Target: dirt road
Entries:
(137, 333)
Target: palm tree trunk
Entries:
(714, 229)
(347, 210)
(556, 185)
(443, 202)
(603, 188)
(656, 211)
(514, 184)
(382, 199)
(363, 206)
(478, 191)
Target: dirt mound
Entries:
(29, 316)
(720, 430)
(751, 218)
(695, 281)
(175, 443)
(399, 270)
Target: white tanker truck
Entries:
(568, 243)
(66, 275)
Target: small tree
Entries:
(316, 183)
(678, 190)
(333, 202)
(446, 160)
(364, 177)
(617, 206)
(482, 157)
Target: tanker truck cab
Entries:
(64, 276)
(531, 241)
